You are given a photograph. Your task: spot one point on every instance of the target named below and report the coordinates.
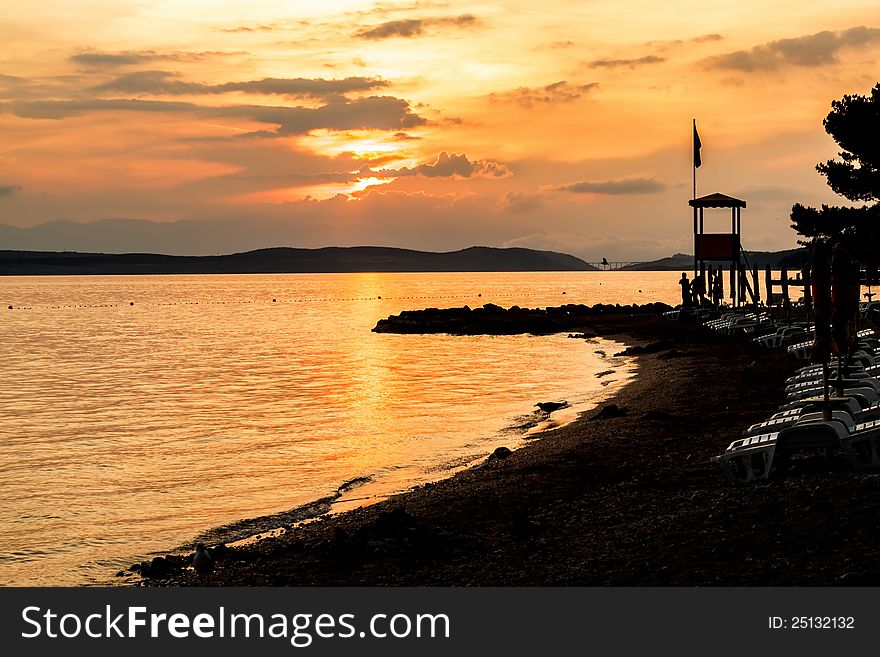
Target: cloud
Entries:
(613, 187)
(630, 63)
(371, 113)
(62, 109)
(271, 27)
(450, 166)
(707, 38)
(770, 193)
(662, 46)
(9, 190)
(413, 27)
(812, 50)
(521, 202)
(166, 82)
(96, 59)
(558, 92)
(151, 82)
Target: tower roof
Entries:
(717, 200)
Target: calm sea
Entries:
(130, 429)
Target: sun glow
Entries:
(318, 192)
(363, 145)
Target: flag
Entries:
(697, 146)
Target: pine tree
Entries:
(854, 123)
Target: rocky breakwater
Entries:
(490, 319)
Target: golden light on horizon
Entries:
(211, 107)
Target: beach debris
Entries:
(604, 373)
(353, 483)
(523, 526)
(608, 412)
(550, 407)
(660, 416)
(500, 453)
(652, 348)
(157, 568)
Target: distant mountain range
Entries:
(791, 258)
(290, 260)
(344, 259)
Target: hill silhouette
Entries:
(791, 258)
(290, 260)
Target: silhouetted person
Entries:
(718, 289)
(698, 289)
(686, 298)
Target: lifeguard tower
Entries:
(722, 247)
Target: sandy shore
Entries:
(627, 500)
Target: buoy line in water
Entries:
(259, 301)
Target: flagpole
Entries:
(693, 161)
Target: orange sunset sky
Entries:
(200, 126)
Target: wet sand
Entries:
(627, 499)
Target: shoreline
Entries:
(528, 429)
(630, 499)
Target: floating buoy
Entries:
(378, 297)
(273, 300)
(131, 303)
(10, 307)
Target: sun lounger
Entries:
(862, 446)
(779, 423)
(759, 456)
(748, 459)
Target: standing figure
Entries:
(698, 287)
(686, 298)
(718, 289)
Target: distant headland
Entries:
(290, 260)
(339, 260)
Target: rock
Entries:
(392, 521)
(491, 319)
(654, 347)
(608, 412)
(159, 567)
(219, 552)
(500, 453)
